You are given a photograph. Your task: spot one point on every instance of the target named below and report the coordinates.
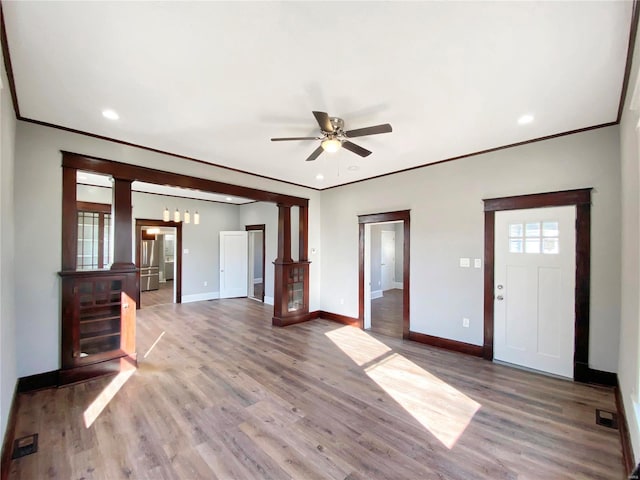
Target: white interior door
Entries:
(534, 317)
(234, 271)
(388, 259)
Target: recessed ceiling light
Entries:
(524, 119)
(319, 176)
(110, 114)
(353, 168)
(229, 199)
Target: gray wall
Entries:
(628, 368)
(447, 222)
(8, 348)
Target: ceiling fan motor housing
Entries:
(337, 124)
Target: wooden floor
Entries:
(162, 296)
(221, 394)
(386, 313)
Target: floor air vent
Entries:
(606, 419)
(24, 446)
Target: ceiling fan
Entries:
(334, 136)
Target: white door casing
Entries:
(388, 259)
(534, 288)
(234, 271)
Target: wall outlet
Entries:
(186, 251)
(465, 322)
(477, 263)
(342, 301)
(465, 262)
(206, 283)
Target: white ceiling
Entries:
(216, 80)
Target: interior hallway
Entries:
(386, 314)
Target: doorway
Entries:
(581, 200)
(383, 255)
(371, 271)
(158, 254)
(256, 285)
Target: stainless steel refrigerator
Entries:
(149, 262)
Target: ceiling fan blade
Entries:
(324, 121)
(357, 149)
(361, 132)
(316, 153)
(286, 139)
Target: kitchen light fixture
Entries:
(153, 231)
(319, 176)
(331, 145)
(166, 216)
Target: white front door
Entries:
(388, 259)
(534, 317)
(234, 270)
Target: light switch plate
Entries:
(465, 262)
(477, 263)
(186, 251)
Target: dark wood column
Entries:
(69, 220)
(303, 234)
(123, 239)
(284, 234)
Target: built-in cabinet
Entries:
(98, 323)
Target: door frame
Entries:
(140, 222)
(581, 199)
(261, 227)
(405, 217)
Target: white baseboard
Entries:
(398, 285)
(376, 294)
(268, 300)
(199, 297)
(257, 280)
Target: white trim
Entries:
(199, 297)
(398, 285)
(268, 300)
(376, 294)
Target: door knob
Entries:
(500, 297)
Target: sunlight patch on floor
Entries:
(94, 410)
(154, 344)
(440, 408)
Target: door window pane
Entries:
(532, 229)
(515, 230)
(532, 245)
(515, 245)
(550, 245)
(550, 229)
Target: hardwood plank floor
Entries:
(162, 296)
(386, 313)
(221, 394)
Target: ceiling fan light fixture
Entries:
(331, 145)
